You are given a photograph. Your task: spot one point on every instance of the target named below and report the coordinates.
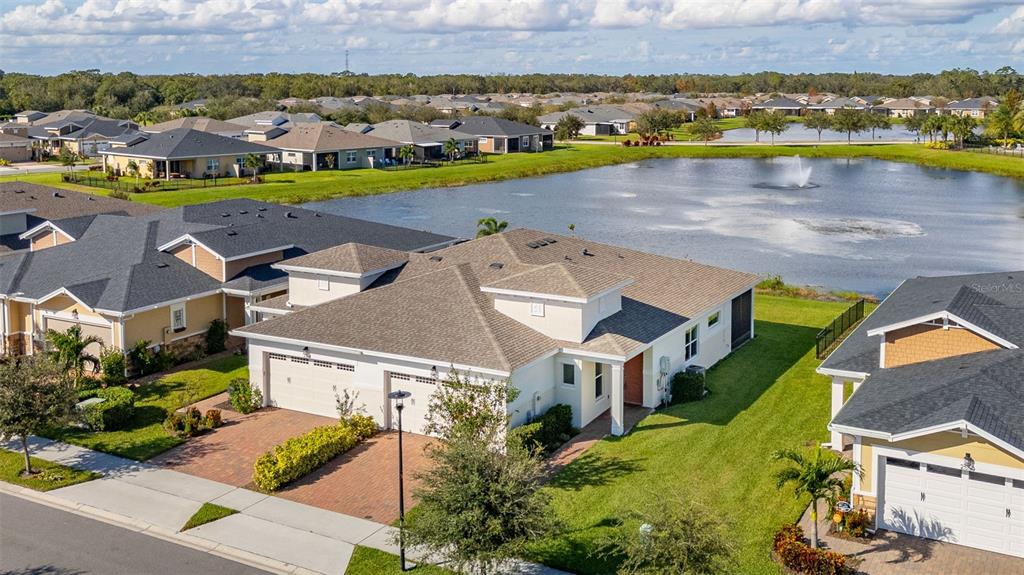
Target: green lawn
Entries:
(310, 186)
(145, 436)
(367, 561)
(208, 513)
(764, 397)
(50, 476)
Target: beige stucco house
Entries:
(182, 153)
(566, 320)
(928, 397)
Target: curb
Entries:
(183, 539)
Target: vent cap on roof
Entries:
(436, 258)
(497, 265)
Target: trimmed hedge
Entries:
(548, 431)
(113, 413)
(797, 556)
(687, 386)
(301, 455)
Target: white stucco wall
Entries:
(304, 288)
(567, 321)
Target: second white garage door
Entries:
(938, 502)
(307, 385)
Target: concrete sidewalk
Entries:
(271, 533)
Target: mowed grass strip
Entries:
(764, 397)
(49, 475)
(300, 187)
(368, 561)
(145, 436)
(208, 513)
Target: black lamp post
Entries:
(400, 396)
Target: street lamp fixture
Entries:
(399, 396)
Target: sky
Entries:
(510, 36)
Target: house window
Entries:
(568, 374)
(239, 160)
(323, 285)
(350, 157)
(483, 140)
(598, 380)
(713, 319)
(371, 153)
(178, 317)
(212, 165)
(537, 308)
(691, 343)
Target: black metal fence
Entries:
(1014, 152)
(835, 330)
(128, 184)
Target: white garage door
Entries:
(308, 385)
(937, 502)
(414, 414)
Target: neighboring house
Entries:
(199, 123)
(830, 106)
(787, 106)
(193, 106)
(500, 136)
(427, 141)
(905, 108)
(326, 146)
(165, 276)
(936, 414)
(686, 106)
(183, 153)
(976, 108)
(15, 147)
(31, 215)
(567, 321)
(597, 120)
(332, 104)
(80, 131)
(264, 126)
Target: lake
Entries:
(861, 224)
(799, 133)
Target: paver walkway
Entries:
(228, 453)
(891, 553)
(280, 535)
(591, 434)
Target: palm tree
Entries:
(490, 226)
(253, 162)
(817, 474)
(69, 350)
(407, 153)
(133, 168)
(144, 118)
(451, 148)
(962, 127)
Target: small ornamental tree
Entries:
(818, 121)
(775, 123)
(755, 121)
(407, 153)
(672, 536)
(34, 395)
(480, 503)
(850, 122)
(568, 127)
(706, 129)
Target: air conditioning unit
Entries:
(664, 365)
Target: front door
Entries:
(742, 307)
(633, 381)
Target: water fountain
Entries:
(797, 176)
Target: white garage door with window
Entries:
(980, 510)
(414, 414)
(309, 385)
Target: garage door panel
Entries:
(310, 386)
(101, 332)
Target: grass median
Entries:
(300, 187)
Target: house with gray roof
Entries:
(782, 104)
(200, 123)
(928, 398)
(183, 153)
(165, 275)
(264, 126)
(841, 103)
(427, 141)
(600, 328)
(501, 136)
(327, 146)
(905, 107)
(597, 120)
(80, 131)
(976, 108)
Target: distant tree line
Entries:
(125, 95)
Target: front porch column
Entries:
(618, 400)
(248, 312)
(314, 161)
(838, 388)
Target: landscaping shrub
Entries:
(115, 412)
(216, 336)
(795, 554)
(145, 360)
(112, 366)
(856, 523)
(186, 424)
(525, 435)
(213, 419)
(555, 427)
(301, 455)
(243, 396)
(119, 195)
(687, 386)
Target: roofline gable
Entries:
(28, 234)
(955, 425)
(947, 316)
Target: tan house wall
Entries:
(155, 324)
(235, 267)
(195, 167)
(63, 306)
(485, 144)
(919, 343)
(201, 258)
(47, 239)
(16, 153)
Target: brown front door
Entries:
(633, 384)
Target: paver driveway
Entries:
(362, 482)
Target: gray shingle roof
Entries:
(324, 137)
(986, 389)
(184, 143)
(118, 268)
(410, 132)
(491, 126)
(591, 115)
(433, 307)
(993, 301)
(350, 258)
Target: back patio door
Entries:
(742, 308)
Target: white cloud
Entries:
(1012, 24)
